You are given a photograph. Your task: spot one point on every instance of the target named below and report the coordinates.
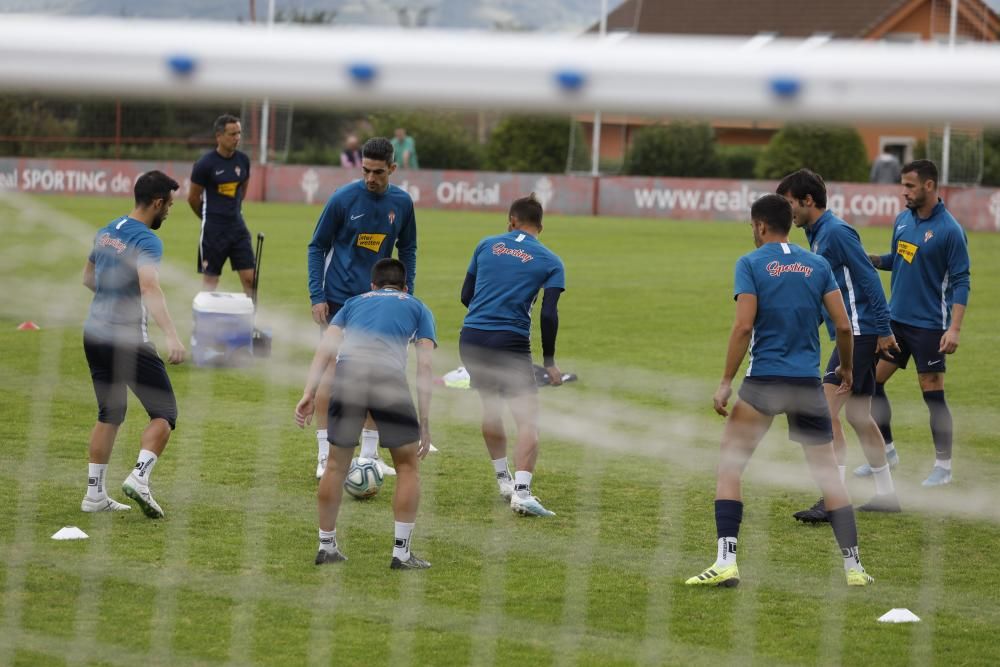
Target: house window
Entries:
(901, 147)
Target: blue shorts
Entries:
(800, 399)
(921, 344)
(865, 359)
(222, 241)
(498, 362)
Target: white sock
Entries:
(144, 466)
(938, 463)
(322, 445)
(328, 540)
(889, 447)
(95, 481)
(843, 473)
(883, 480)
(401, 548)
(500, 467)
(727, 552)
(852, 561)
(522, 483)
(369, 444)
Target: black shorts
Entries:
(220, 242)
(921, 344)
(498, 361)
(802, 401)
(360, 388)
(114, 368)
(865, 359)
(334, 309)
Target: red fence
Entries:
(667, 198)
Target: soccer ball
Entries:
(364, 478)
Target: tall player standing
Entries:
(359, 226)
(839, 244)
(218, 186)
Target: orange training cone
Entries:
(28, 326)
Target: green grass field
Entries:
(627, 461)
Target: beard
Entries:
(157, 223)
(914, 204)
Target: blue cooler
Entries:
(223, 329)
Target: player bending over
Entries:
(504, 277)
(781, 290)
(368, 338)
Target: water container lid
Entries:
(228, 303)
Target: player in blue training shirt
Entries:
(368, 338)
(359, 226)
(218, 186)
(122, 271)
(504, 277)
(781, 291)
(929, 260)
(839, 244)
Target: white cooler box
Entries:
(223, 329)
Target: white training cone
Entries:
(899, 616)
(70, 533)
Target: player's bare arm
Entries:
(949, 341)
(194, 198)
(156, 304)
(326, 352)
(739, 343)
(834, 303)
(425, 386)
(88, 276)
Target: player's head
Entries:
(806, 192)
(227, 132)
(154, 192)
(400, 133)
(389, 272)
(920, 179)
(525, 212)
(771, 218)
(377, 164)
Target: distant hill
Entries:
(542, 15)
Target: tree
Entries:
(537, 144)
(676, 149)
(443, 141)
(835, 153)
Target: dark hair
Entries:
(926, 170)
(225, 119)
(527, 209)
(153, 185)
(804, 182)
(774, 211)
(378, 148)
(389, 272)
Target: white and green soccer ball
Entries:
(364, 478)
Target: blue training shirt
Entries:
(510, 269)
(929, 260)
(789, 283)
(378, 326)
(839, 244)
(224, 180)
(356, 229)
(117, 314)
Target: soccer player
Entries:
(839, 244)
(359, 226)
(929, 260)
(781, 291)
(218, 186)
(503, 280)
(368, 337)
(122, 271)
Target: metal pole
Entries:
(265, 111)
(595, 139)
(946, 136)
